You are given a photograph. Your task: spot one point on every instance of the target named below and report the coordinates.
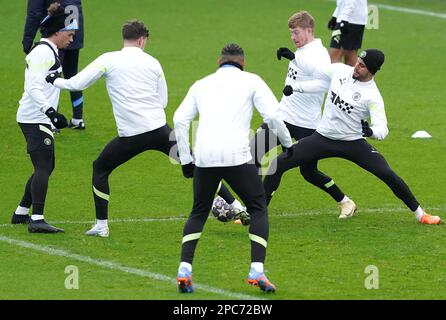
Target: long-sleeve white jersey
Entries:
(348, 102)
(136, 86)
(304, 110)
(38, 95)
(353, 11)
(225, 101)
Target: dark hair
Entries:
(55, 8)
(232, 49)
(54, 21)
(134, 29)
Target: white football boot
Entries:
(348, 208)
(97, 230)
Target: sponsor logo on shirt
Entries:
(292, 73)
(341, 104)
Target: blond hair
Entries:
(301, 19)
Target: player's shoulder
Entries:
(313, 53)
(151, 60)
(110, 55)
(42, 49)
(250, 76)
(341, 68)
(40, 53)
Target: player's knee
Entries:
(99, 167)
(386, 174)
(308, 173)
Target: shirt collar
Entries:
(314, 42)
(50, 43)
(131, 49)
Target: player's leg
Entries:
(263, 141)
(43, 162)
(350, 57)
(312, 175)
(70, 61)
(165, 141)
(115, 153)
(351, 42)
(306, 150)
(248, 185)
(368, 158)
(336, 55)
(21, 214)
(205, 185)
(336, 52)
(40, 146)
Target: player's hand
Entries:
(58, 119)
(366, 130)
(288, 90)
(188, 170)
(286, 53)
(332, 23)
(52, 77)
(343, 26)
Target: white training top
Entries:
(38, 95)
(348, 102)
(136, 86)
(353, 11)
(225, 101)
(304, 110)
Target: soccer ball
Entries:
(222, 210)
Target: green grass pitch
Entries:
(311, 253)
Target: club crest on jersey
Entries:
(341, 104)
(292, 73)
(47, 141)
(356, 96)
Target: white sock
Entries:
(344, 200)
(257, 266)
(76, 121)
(185, 265)
(236, 204)
(102, 223)
(36, 217)
(419, 213)
(22, 211)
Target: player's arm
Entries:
(38, 64)
(162, 89)
(378, 119)
(321, 81)
(89, 75)
(267, 105)
(35, 13)
(182, 118)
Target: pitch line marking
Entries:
(283, 214)
(410, 10)
(119, 267)
(407, 10)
